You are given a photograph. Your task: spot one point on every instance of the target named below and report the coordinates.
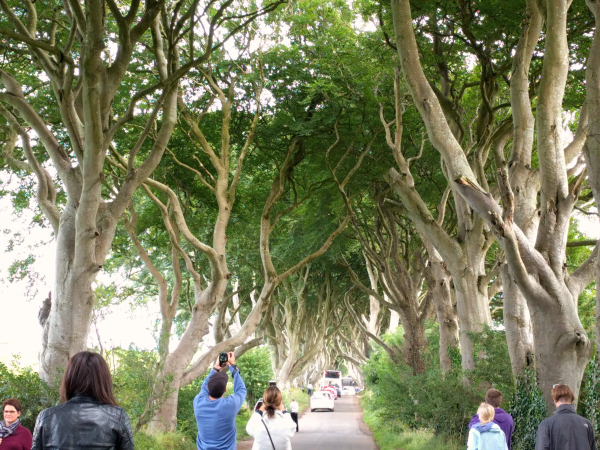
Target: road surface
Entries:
(342, 429)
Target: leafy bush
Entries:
(395, 437)
(255, 367)
(134, 373)
(589, 396)
(240, 422)
(186, 420)
(528, 410)
(33, 393)
(442, 403)
(492, 363)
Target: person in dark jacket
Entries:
(565, 430)
(89, 417)
(13, 435)
(504, 420)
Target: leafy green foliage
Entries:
(255, 367)
(134, 374)
(587, 300)
(589, 396)
(20, 269)
(392, 437)
(400, 403)
(186, 420)
(241, 420)
(25, 385)
(528, 409)
(442, 403)
(492, 361)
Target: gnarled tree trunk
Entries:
(562, 348)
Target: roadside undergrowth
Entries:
(394, 436)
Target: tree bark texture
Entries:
(562, 348)
(438, 282)
(525, 185)
(592, 143)
(465, 255)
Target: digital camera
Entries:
(223, 358)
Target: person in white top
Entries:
(294, 412)
(269, 426)
(310, 388)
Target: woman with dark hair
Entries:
(269, 426)
(89, 416)
(13, 435)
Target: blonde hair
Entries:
(486, 413)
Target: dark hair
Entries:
(493, 397)
(272, 400)
(562, 393)
(217, 384)
(12, 402)
(87, 373)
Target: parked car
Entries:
(332, 390)
(348, 390)
(322, 400)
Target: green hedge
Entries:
(25, 385)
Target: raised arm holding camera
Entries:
(215, 415)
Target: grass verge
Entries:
(393, 436)
(301, 397)
(163, 441)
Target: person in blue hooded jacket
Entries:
(501, 418)
(486, 435)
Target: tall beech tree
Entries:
(179, 367)
(463, 249)
(592, 143)
(93, 54)
(390, 247)
(561, 347)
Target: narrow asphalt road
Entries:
(342, 429)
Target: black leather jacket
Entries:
(83, 423)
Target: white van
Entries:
(332, 378)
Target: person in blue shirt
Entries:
(215, 415)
